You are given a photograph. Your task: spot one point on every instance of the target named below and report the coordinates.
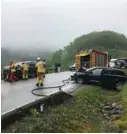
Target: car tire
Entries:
(118, 86)
(80, 81)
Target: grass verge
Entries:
(83, 114)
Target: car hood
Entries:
(80, 73)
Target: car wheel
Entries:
(80, 81)
(118, 86)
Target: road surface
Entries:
(17, 94)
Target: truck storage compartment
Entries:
(85, 61)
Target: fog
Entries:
(52, 24)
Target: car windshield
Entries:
(123, 61)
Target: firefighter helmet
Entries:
(38, 58)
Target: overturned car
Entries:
(18, 65)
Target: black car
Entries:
(106, 77)
(31, 73)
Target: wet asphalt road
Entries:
(16, 94)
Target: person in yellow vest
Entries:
(25, 69)
(40, 72)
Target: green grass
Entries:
(124, 70)
(83, 115)
(123, 121)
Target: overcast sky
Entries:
(55, 23)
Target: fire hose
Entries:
(41, 88)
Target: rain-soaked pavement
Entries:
(17, 94)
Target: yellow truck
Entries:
(91, 58)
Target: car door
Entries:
(95, 75)
(121, 76)
(108, 77)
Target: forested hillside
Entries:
(112, 42)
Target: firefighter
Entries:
(40, 72)
(25, 69)
(12, 75)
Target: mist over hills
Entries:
(20, 53)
